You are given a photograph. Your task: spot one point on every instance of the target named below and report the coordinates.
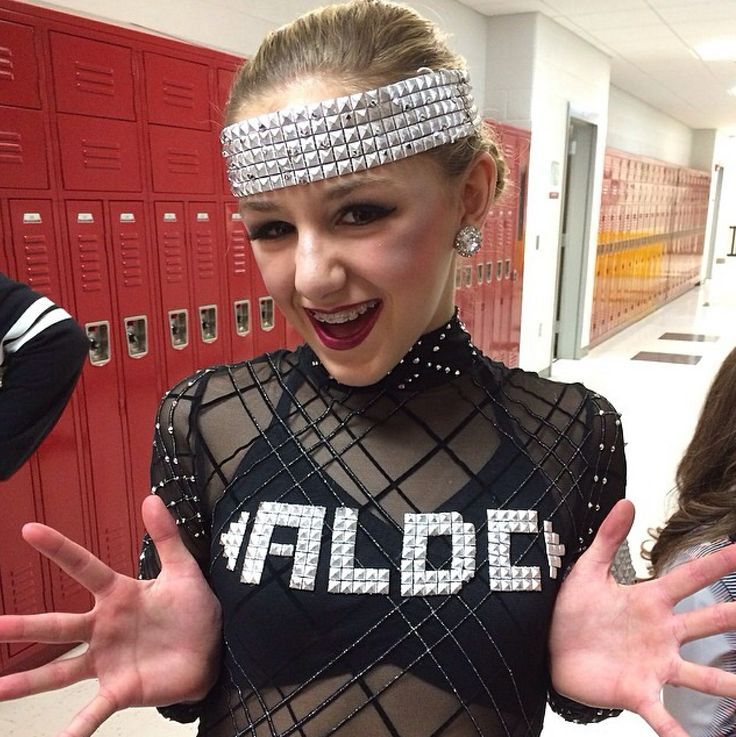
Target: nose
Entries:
(319, 269)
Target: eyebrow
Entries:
(336, 190)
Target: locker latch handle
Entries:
(242, 316)
(179, 329)
(98, 334)
(208, 323)
(267, 313)
(136, 334)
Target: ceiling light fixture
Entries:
(717, 49)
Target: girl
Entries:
(382, 520)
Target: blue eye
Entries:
(364, 214)
(270, 231)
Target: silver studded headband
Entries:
(342, 135)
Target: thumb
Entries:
(611, 534)
(164, 533)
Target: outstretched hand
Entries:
(615, 646)
(150, 643)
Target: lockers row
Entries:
(650, 238)
(87, 108)
(489, 285)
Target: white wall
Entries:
(725, 156)
(537, 70)
(638, 128)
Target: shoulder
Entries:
(249, 384)
(555, 400)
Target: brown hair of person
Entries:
(363, 44)
(706, 476)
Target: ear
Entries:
(477, 190)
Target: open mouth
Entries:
(345, 328)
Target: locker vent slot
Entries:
(101, 155)
(178, 94)
(26, 596)
(239, 248)
(38, 269)
(131, 260)
(205, 256)
(6, 64)
(181, 161)
(94, 79)
(174, 258)
(89, 260)
(11, 147)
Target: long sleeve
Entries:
(42, 351)
(604, 483)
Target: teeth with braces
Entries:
(335, 318)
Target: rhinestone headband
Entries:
(342, 135)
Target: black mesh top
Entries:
(387, 557)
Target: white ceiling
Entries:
(654, 46)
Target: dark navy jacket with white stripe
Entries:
(42, 350)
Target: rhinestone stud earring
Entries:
(468, 241)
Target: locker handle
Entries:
(507, 269)
(136, 333)
(268, 321)
(208, 323)
(179, 329)
(242, 316)
(98, 334)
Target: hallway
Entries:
(659, 401)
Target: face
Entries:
(361, 265)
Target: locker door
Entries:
(98, 154)
(269, 323)
(138, 326)
(239, 315)
(183, 161)
(18, 66)
(21, 578)
(23, 163)
(59, 475)
(177, 92)
(202, 226)
(92, 77)
(177, 320)
(103, 408)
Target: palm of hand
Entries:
(150, 643)
(615, 646)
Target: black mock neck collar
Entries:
(435, 359)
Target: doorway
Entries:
(572, 265)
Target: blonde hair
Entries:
(363, 44)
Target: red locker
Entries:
(18, 66)
(23, 163)
(92, 77)
(178, 321)
(60, 487)
(177, 92)
(99, 155)
(138, 329)
(183, 161)
(102, 403)
(206, 268)
(239, 315)
(269, 324)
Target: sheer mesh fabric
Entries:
(447, 431)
